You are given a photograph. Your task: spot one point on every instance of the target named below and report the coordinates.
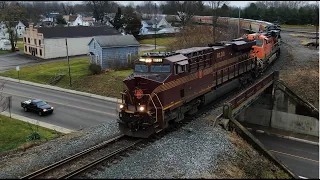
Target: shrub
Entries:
(95, 69)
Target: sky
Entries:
(231, 3)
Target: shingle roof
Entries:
(117, 41)
(76, 31)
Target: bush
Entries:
(95, 69)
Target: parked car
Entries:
(17, 49)
(37, 105)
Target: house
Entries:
(19, 26)
(106, 51)
(70, 19)
(50, 42)
(51, 17)
(156, 23)
(83, 21)
(5, 44)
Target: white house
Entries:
(83, 21)
(158, 24)
(5, 44)
(49, 42)
(19, 26)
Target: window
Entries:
(140, 68)
(29, 40)
(180, 69)
(19, 27)
(39, 42)
(259, 42)
(36, 51)
(160, 68)
(29, 49)
(25, 39)
(40, 52)
(25, 48)
(35, 42)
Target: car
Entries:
(17, 49)
(37, 105)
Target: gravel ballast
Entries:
(15, 165)
(189, 152)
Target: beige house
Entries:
(50, 42)
(33, 42)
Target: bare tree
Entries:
(3, 4)
(9, 16)
(67, 8)
(214, 5)
(185, 11)
(99, 8)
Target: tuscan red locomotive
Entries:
(166, 86)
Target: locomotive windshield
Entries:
(259, 42)
(141, 68)
(160, 68)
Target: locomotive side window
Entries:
(160, 68)
(180, 69)
(141, 68)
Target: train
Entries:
(167, 86)
(249, 25)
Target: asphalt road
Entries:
(71, 111)
(301, 158)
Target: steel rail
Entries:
(93, 163)
(70, 158)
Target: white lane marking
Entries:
(302, 177)
(259, 131)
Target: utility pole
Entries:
(239, 24)
(68, 63)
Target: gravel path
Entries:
(19, 164)
(190, 152)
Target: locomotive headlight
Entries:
(121, 106)
(141, 108)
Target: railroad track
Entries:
(82, 161)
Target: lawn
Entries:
(105, 84)
(14, 133)
(297, 26)
(4, 52)
(160, 41)
(20, 45)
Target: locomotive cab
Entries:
(140, 106)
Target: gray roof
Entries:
(116, 41)
(76, 31)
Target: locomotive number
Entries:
(220, 54)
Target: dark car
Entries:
(37, 105)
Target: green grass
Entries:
(14, 133)
(106, 84)
(4, 52)
(160, 41)
(20, 45)
(297, 26)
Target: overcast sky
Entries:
(231, 3)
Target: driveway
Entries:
(10, 61)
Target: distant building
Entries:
(19, 26)
(157, 24)
(70, 19)
(47, 43)
(106, 51)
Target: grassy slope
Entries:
(14, 133)
(107, 84)
(160, 41)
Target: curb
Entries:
(115, 100)
(37, 122)
(308, 32)
(285, 137)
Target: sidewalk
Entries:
(282, 133)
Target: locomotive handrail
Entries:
(153, 105)
(160, 105)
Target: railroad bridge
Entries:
(271, 103)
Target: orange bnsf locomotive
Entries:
(166, 86)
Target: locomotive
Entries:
(166, 86)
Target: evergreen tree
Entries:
(132, 22)
(60, 20)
